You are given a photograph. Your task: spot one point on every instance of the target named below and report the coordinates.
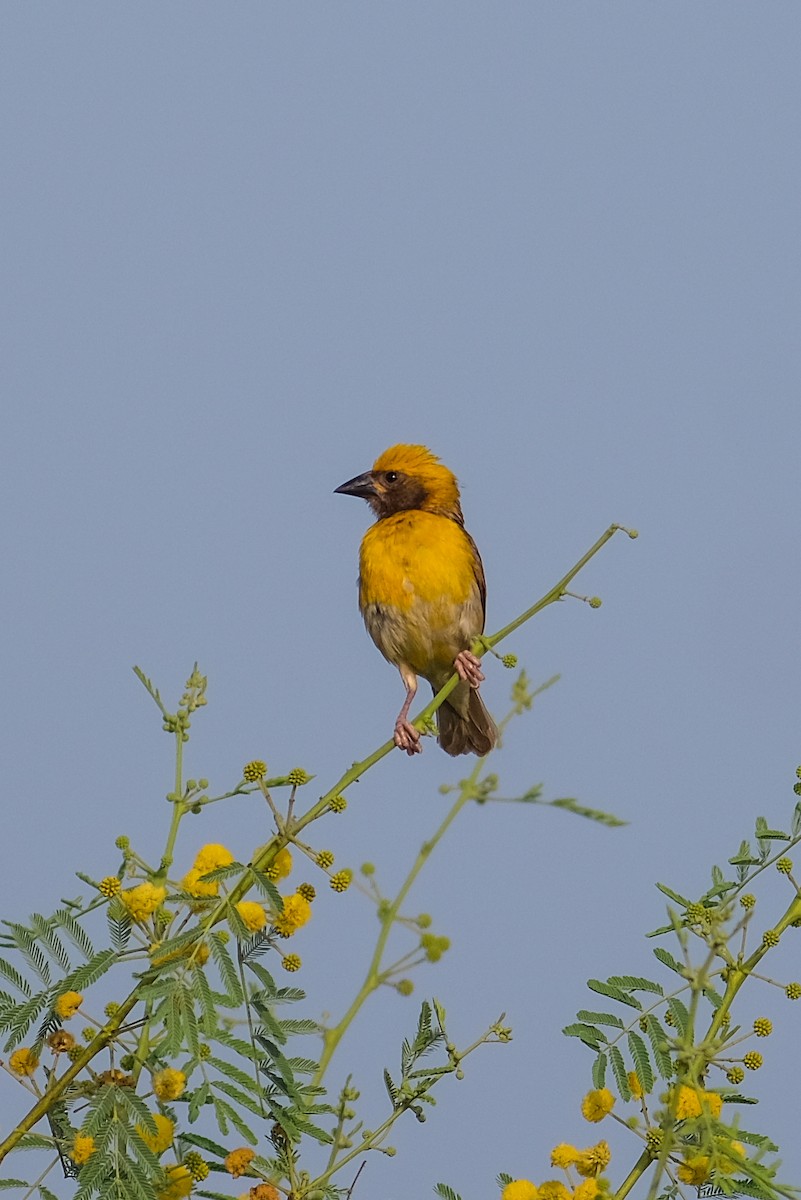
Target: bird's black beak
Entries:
(361, 485)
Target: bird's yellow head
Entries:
(406, 477)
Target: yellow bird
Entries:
(422, 592)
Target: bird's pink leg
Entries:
(406, 736)
(468, 668)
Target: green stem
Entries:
(739, 974)
(636, 1172)
(179, 808)
(55, 1093)
(374, 977)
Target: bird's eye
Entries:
(391, 476)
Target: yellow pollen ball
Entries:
(169, 1084)
(83, 1148)
(253, 915)
(597, 1104)
(67, 1005)
(520, 1189)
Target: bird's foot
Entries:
(407, 737)
(468, 668)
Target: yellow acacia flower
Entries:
(161, 1140)
(195, 886)
(212, 856)
(594, 1160)
(634, 1085)
(553, 1189)
(169, 1084)
(83, 1147)
(67, 1005)
(597, 1105)
(23, 1061)
(564, 1155)
(262, 1191)
(588, 1189)
(691, 1101)
(281, 865)
(237, 1162)
(253, 915)
(695, 1170)
(142, 901)
(297, 911)
(520, 1189)
(177, 1183)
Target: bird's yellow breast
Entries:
(419, 591)
(415, 556)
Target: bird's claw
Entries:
(468, 667)
(407, 737)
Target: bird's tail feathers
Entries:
(466, 730)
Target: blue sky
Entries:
(244, 249)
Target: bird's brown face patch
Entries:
(396, 492)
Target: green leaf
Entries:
(240, 1077)
(679, 1014)
(90, 972)
(314, 1131)
(392, 1091)
(660, 1046)
(591, 814)
(287, 995)
(226, 967)
(667, 959)
(619, 1072)
(614, 993)
(23, 1016)
(599, 1071)
(682, 900)
(242, 1098)
(641, 1060)
(202, 992)
(119, 924)
(197, 1100)
(13, 976)
(795, 828)
(601, 1018)
(24, 941)
(290, 1026)
(736, 1098)
(759, 1140)
(274, 1027)
(13, 1183)
(635, 983)
(588, 1034)
(267, 888)
(43, 930)
(64, 919)
(445, 1193)
(714, 998)
(221, 1106)
(204, 1143)
(34, 1141)
(264, 977)
(239, 1045)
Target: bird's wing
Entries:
(481, 583)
